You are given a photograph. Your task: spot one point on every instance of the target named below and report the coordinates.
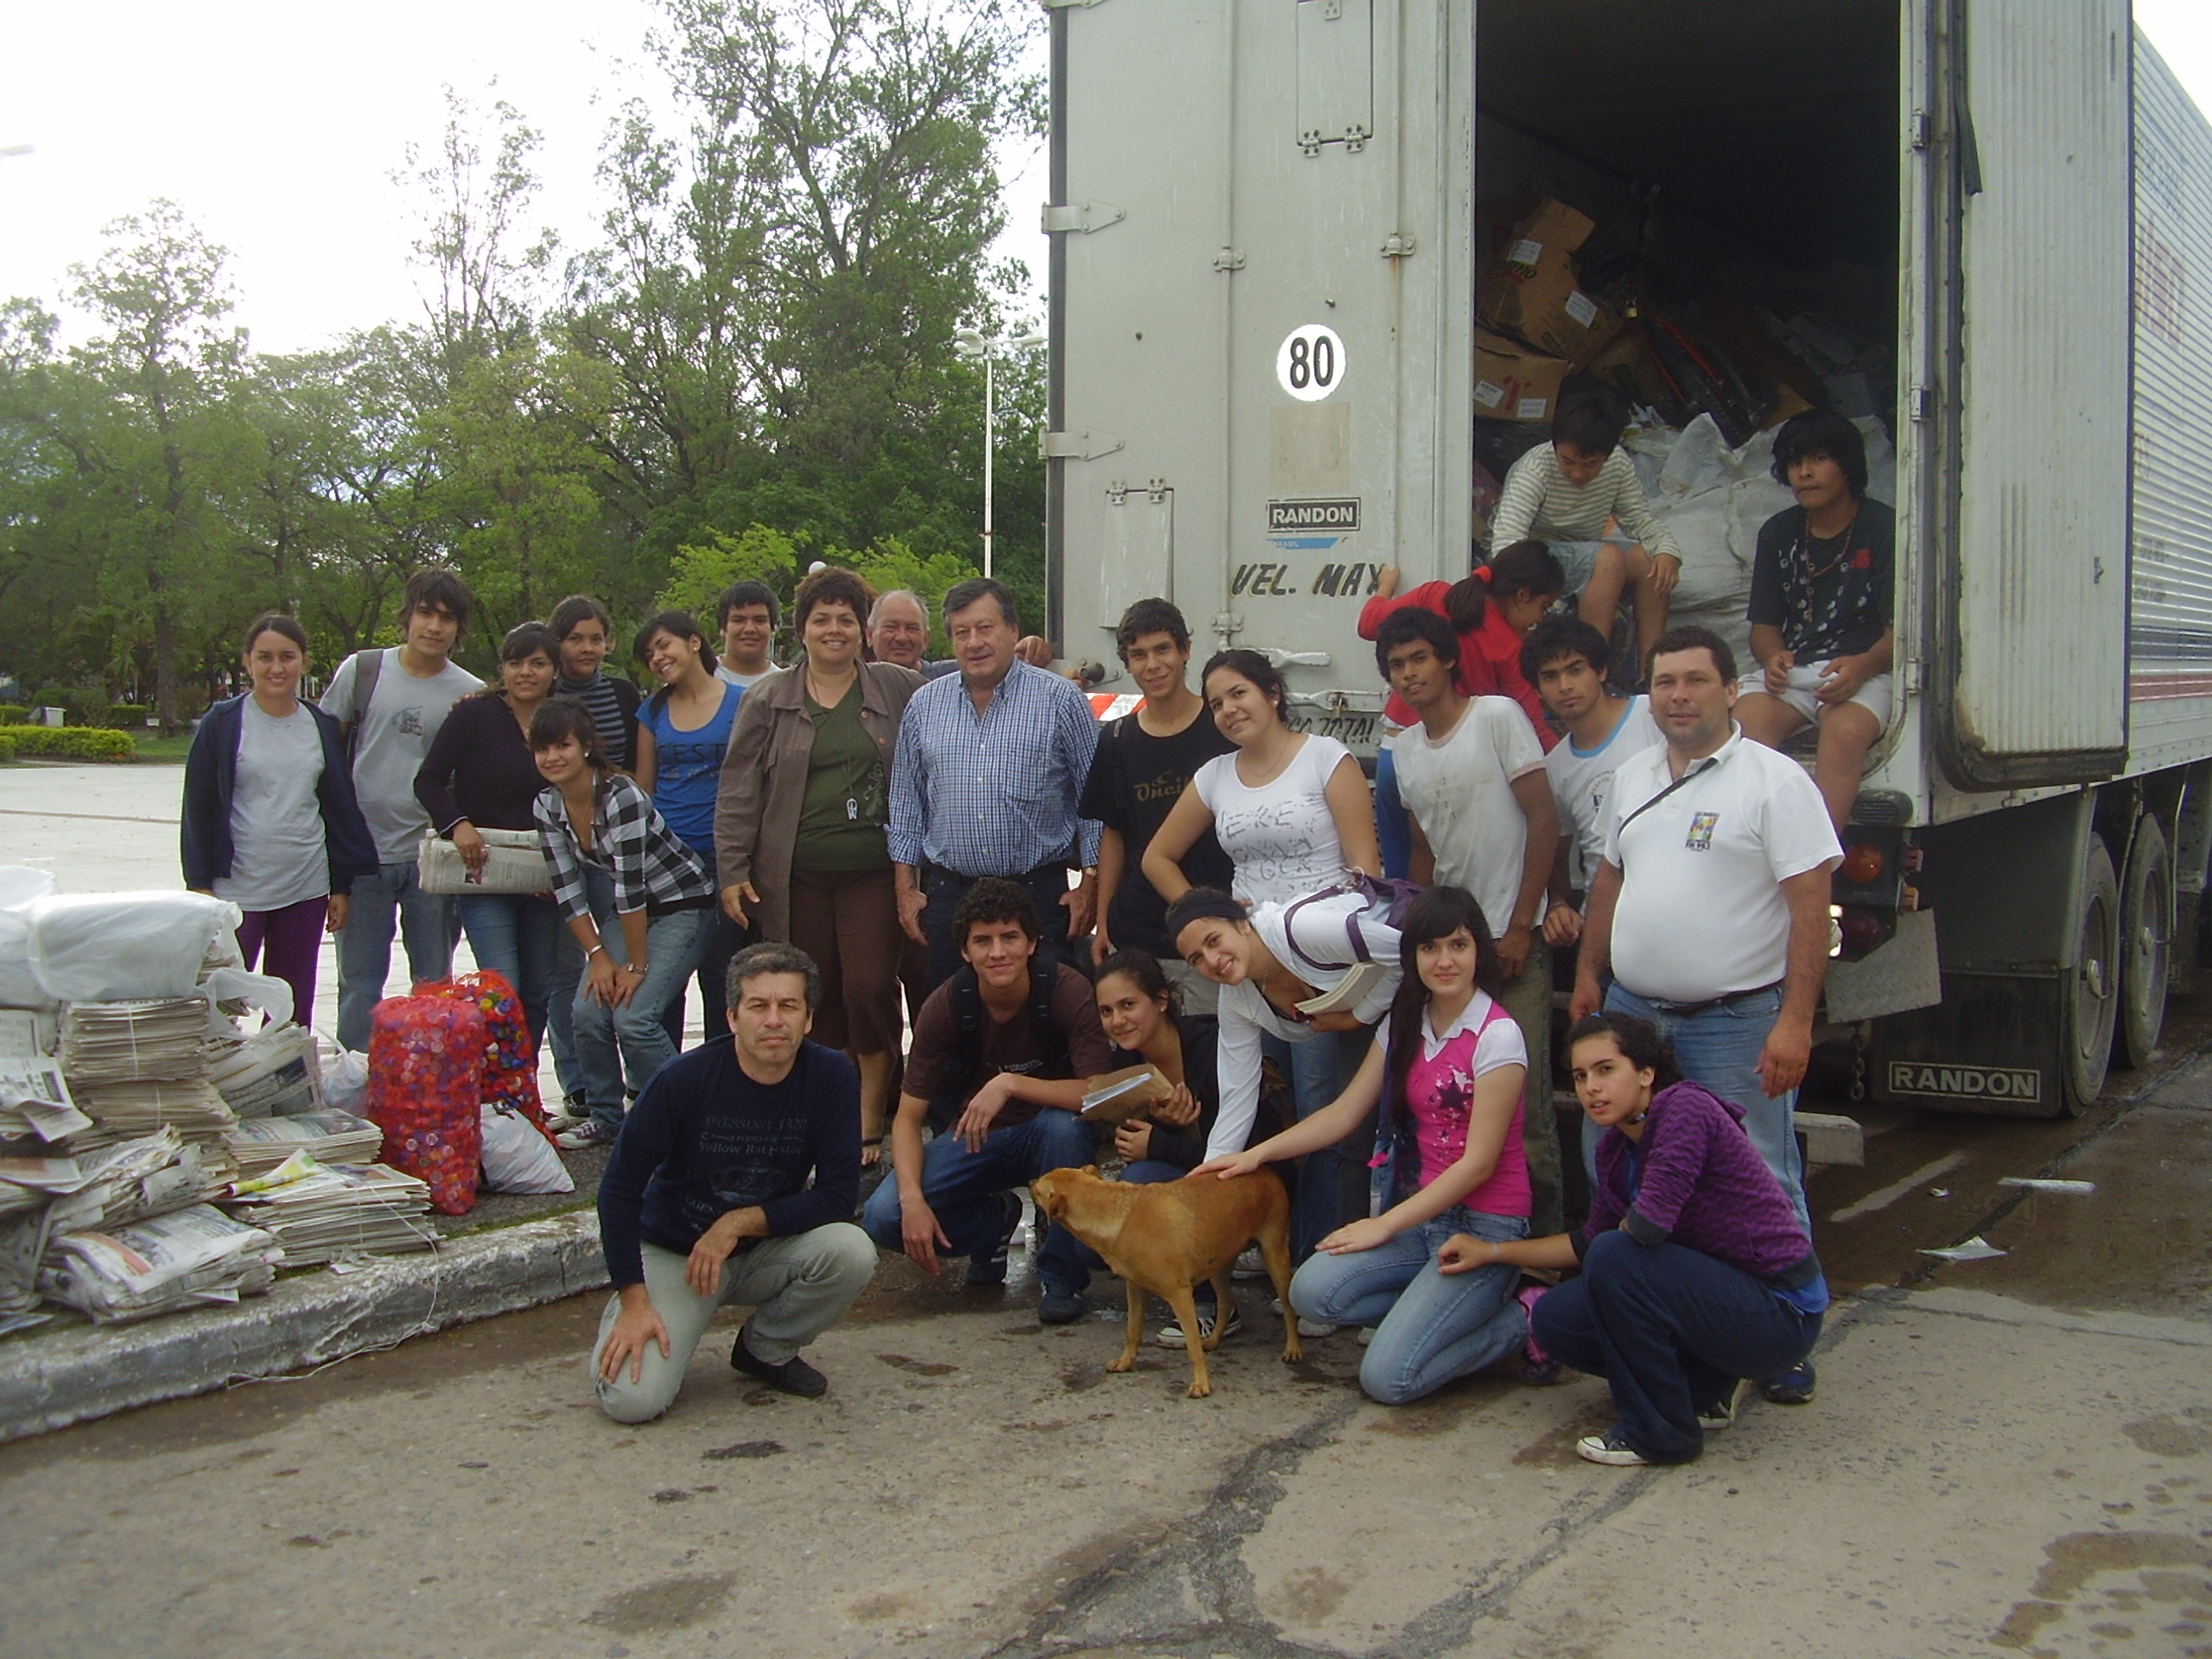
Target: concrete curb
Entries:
(91, 1371)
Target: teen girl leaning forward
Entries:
(269, 821)
(479, 775)
(639, 949)
(682, 734)
(1695, 1270)
(1451, 1066)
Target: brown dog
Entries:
(1170, 1236)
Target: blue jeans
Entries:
(1430, 1326)
(961, 1188)
(1332, 1184)
(1066, 1263)
(1393, 826)
(518, 936)
(632, 1039)
(427, 923)
(1720, 1047)
(568, 974)
(1670, 1330)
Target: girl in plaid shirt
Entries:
(663, 911)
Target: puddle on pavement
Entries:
(919, 1367)
(1556, 1449)
(667, 1604)
(2172, 1436)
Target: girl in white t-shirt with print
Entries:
(1451, 1067)
(1292, 811)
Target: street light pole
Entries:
(969, 343)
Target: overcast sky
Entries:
(276, 125)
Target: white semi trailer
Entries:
(1263, 225)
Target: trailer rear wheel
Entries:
(2147, 927)
(2089, 994)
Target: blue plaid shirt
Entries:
(995, 796)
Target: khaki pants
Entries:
(1529, 1001)
(799, 1288)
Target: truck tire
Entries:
(2146, 930)
(2088, 1003)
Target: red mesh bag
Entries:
(510, 1059)
(426, 1070)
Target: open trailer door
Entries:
(2033, 588)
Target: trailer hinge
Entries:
(1230, 259)
(1923, 130)
(1913, 677)
(1064, 5)
(1923, 403)
(1117, 493)
(1076, 446)
(1356, 138)
(1398, 246)
(1084, 216)
(1155, 490)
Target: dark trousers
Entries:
(724, 941)
(1670, 1329)
(943, 889)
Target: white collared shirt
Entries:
(1701, 913)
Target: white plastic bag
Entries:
(19, 885)
(345, 1082)
(124, 947)
(518, 1157)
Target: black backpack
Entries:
(970, 1022)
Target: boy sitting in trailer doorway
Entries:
(1578, 495)
(1822, 583)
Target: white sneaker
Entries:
(1250, 1265)
(1305, 1327)
(1717, 1415)
(1170, 1334)
(1366, 1335)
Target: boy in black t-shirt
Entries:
(1144, 762)
(1822, 593)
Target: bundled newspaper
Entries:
(259, 1145)
(189, 1105)
(193, 1256)
(276, 1072)
(128, 1042)
(135, 1178)
(323, 1213)
(36, 1108)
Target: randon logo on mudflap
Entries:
(1941, 1082)
(1295, 518)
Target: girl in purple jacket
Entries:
(1695, 1272)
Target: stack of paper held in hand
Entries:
(1119, 1095)
(125, 1042)
(323, 1213)
(198, 1254)
(260, 1144)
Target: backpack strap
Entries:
(368, 665)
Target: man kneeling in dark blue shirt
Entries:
(706, 1200)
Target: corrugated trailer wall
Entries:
(2170, 643)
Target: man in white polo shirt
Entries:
(1711, 906)
(1472, 776)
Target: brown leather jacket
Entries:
(764, 780)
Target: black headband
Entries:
(1203, 904)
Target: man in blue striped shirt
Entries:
(989, 766)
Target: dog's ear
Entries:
(1091, 1170)
(1054, 1203)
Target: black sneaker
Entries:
(1793, 1388)
(1170, 1334)
(1610, 1447)
(794, 1375)
(986, 1271)
(1061, 1306)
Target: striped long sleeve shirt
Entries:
(992, 794)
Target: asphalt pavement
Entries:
(2009, 1455)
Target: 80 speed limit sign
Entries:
(1310, 364)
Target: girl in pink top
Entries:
(1449, 1160)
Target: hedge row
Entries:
(67, 743)
(13, 713)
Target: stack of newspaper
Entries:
(193, 1256)
(135, 1067)
(275, 1071)
(322, 1212)
(132, 1180)
(260, 1144)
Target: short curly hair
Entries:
(831, 586)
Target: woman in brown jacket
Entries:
(798, 826)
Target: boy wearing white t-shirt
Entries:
(392, 703)
(1472, 780)
(1565, 659)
